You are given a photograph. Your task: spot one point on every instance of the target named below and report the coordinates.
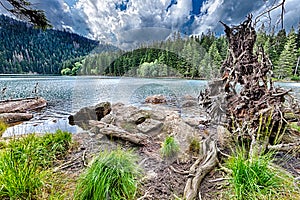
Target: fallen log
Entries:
(15, 117)
(203, 165)
(114, 131)
(22, 105)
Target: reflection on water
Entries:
(66, 95)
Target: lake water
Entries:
(66, 95)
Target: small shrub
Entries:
(113, 175)
(194, 146)
(170, 147)
(3, 127)
(295, 78)
(256, 179)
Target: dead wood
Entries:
(15, 117)
(116, 132)
(284, 147)
(244, 97)
(22, 105)
(203, 165)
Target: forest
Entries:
(25, 49)
(194, 57)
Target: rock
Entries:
(15, 117)
(156, 99)
(189, 103)
(195, 121)
(108, 119)
(188, 98)
(150, 126)
(85, 114)
(102, 109)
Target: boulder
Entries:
(189, 103)
(156, 99)
(85, 114)
(150, 126)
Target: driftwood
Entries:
(22, 105)
(15, 117)
(116, 132)
(16, 110)
(203, 165)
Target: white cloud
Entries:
(148, 20)
(113, 25)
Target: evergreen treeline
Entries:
(195, 57)
(25, 49)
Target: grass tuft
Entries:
(3, 127)
(259, 179)
(113, 175)
(169, 147)
(24, 163)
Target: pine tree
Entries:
(288, 57)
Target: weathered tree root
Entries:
(203, 165)
(284, 147)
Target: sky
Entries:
(127, 23)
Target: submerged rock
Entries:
(156, 99)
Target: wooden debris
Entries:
(22, 105)
(203, 165)
(245, 97)
(15, 117)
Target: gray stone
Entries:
(189, 103)
(96, 112)
(150, 126)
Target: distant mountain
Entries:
(25, 49)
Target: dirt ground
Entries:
(163, 179)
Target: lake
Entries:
(66, 95)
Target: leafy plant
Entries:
(257, 179)
(169, 147)
(113, 175)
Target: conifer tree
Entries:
(288, 57)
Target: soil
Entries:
(163, 178)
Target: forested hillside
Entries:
(195, 57)
(25, 49)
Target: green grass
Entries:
(170, 147)
(257, 179)
(24, 163)
(3, 127)
(113, 175)
(295, 127)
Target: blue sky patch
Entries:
(122, 6)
